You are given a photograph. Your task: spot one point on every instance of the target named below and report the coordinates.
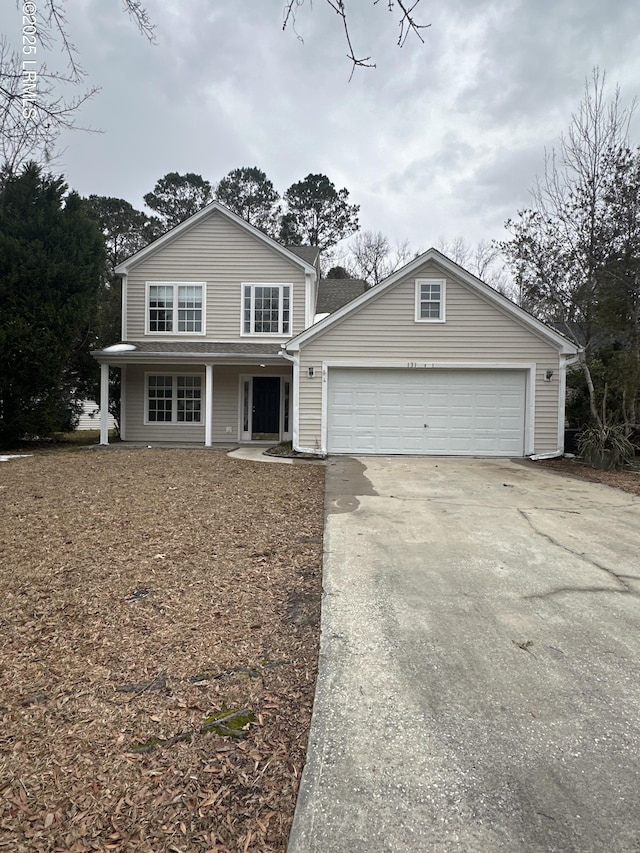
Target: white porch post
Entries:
(208, 405)
(104, 403)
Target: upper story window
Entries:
(430, 300)
(175, 308)
(266, 309)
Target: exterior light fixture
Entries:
(312, 372)
(548, 375)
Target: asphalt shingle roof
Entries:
(333, 293)
(307, 253)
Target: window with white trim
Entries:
(430, 294)
(174, 399)
(266, 309)
(175, 308)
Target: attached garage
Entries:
(430, 361)
(426, 411)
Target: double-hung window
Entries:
(430, 295)
(266, 309)
(174, 307)
(174, 399)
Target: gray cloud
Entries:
(441, 139)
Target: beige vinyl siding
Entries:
(223, 255)
(226, 402)
(475, 331)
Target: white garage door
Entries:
(448, 412)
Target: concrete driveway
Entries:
(479, 685)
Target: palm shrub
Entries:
(606, 446)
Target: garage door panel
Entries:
(466, 412)
(364, 421)
(365, 398)
(343, 397)
(414, 422)
(389, 398)
(391, 422)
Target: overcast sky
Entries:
(442, 139)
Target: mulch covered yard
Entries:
(144, 593)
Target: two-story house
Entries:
(219, 346)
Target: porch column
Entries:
(104, 403)
(208, 405)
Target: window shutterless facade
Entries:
(175, 308)
(430, 300)
(266, 309)
(173, 399)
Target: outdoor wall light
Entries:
(312, 372)
(548, 375)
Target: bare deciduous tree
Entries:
(372, 257)
(560, 252)
(482, 260)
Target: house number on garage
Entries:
(416, 364)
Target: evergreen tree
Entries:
(317, 214)
(175, 197)
(125, 231)
(249, 193)
(51, 260)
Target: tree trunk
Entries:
(592, 394)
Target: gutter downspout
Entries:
(557, 454)
(295, 360)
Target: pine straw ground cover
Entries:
(627, 479)
(143, 592)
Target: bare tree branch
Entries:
(138, 14)
(31, 121)
(34, 106)
(407, 25)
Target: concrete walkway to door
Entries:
(479, 684)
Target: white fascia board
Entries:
(213, 207)
(523, 317)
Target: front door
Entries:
(265, 420)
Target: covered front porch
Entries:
(209, 398)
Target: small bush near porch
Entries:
(145, 594)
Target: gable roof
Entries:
(484, 290)
(333, 293)
(215, 207)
